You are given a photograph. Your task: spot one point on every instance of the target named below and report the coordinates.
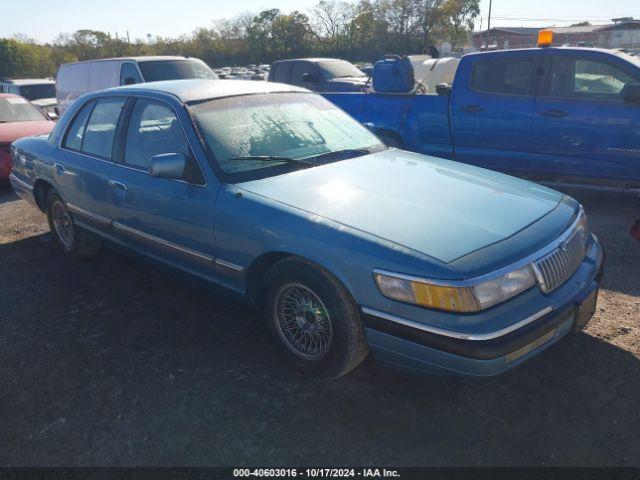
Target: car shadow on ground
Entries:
(114, 362)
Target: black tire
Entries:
(72, 240)
(347, 347)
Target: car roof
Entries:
(27, 81)
(542, 49)
(313, 59)
(151, 58)
(194, 90)
(9, 95)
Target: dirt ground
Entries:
(116, 362)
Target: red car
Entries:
(18, 118)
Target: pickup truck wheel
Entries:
(313, 319)
(71, 239)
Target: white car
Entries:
(76, 79)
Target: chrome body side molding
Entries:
(454, 334)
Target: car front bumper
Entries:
(396, 341)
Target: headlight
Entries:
(455, 298)
(582, 227)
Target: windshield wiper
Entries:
(349, 152)
(272, 158)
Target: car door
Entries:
(170, 220)
(492, 115)
(583, 128)
(85, 167)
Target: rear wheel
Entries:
(70, 238)
(313, 319)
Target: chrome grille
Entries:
(559, 265)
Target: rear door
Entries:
(171, 220)
(492, 107)
(86, 166)
(583, 129)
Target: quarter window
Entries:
(511, 76)
(98, 137)
(153, 130)
(75, 134)
(591, 79)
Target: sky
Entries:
(43, 20)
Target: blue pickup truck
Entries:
(565, 114)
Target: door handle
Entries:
(118, 185)
(472, 108)
(554, 113)
(60, 169)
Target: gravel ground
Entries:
(116, 362)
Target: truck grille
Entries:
(559, 265)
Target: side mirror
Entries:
(52, 115)
(309, 78)
(168, 165)
(631, 94)
(130, 81)
(443, 89)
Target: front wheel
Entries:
(70, 238)
(313, 319)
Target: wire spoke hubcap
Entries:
(303, 321)
(62, 224)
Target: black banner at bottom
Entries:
(403, 473)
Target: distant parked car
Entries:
(345, 244)
(319, 74)
(18, 118)
(76, 79)
(39, 91)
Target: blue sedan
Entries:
(347, 246)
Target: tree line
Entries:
(360, 31)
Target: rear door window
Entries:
(101, 128)
(75, 133)
(507, 76)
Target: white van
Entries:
(76, 79)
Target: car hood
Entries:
(437, 207)
(10, 132)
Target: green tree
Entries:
(460, 15)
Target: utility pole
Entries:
(489, 25)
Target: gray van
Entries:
(76, 79)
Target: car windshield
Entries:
(157, 70)
(339, 69)
(17, 109)
(262, 135)
(38, 91)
